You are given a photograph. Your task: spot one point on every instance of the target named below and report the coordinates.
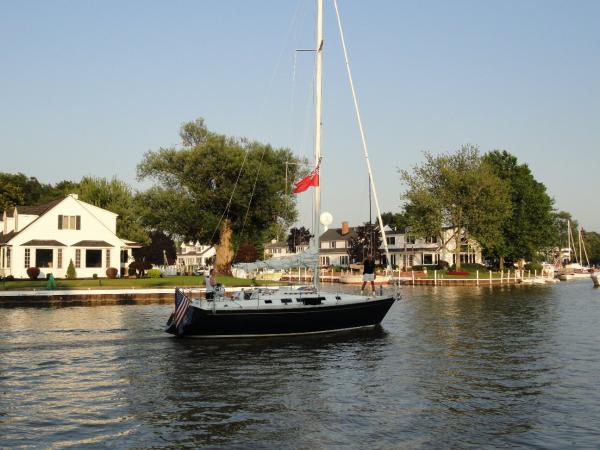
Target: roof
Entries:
(37, 210)
(92, 244)
(4, 238)
(276, 245)
(29, 210)
(43, 243)
(335, 234)
(195, 253)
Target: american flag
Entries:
(181, 306)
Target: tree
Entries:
(115, 196)
(367, 240)
(219, 190)
(592, 246)
(246, 253)
(71, 272)
(459, 191)
(298, 236)
(18, 189)
(397, 221)
(160, 246)
(529, 229)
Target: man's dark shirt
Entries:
(369, 266)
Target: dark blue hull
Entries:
(282, 321)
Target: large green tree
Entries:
(529, 231)
(458, 191)
(18, 189)
(397, 221)
(118, 197)
(219, 190)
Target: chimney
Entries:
(345, 228)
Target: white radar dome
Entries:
(326, 219)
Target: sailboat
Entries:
(574, 267)
(286, 310)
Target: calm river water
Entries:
(449, 368)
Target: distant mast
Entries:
(318, 124)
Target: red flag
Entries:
(312, 179)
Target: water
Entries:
(450, 368)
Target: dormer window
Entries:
(69, 222)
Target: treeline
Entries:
(492, 197)
(236, 194)
(229, 192)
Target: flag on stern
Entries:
(312, 179)
(181, 307)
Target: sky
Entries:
(87, 88)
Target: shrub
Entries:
(534, 266)
(95, 276)
(9, 278)
(111, 272)
(33, 273)
(140, 267)
(154, 273)
(131, 271)
(71, 272)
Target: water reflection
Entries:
(450, 367)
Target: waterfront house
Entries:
(193, 257)
(278, 249)
(407, 250)
(49, 236)
(334, 245)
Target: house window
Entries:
(27, 257)
(324, 260)
(43, 257)
(7, 256)
(393, 260)
(78, 258)
(431, 240)
(333, 244)
(93, 258)
(69, 222)
(107, 257)
(59, 258)
(344, 260)
(391, 240)
(410, 239)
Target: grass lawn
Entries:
(182, 281)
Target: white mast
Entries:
(318, 124)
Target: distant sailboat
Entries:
(574, 268)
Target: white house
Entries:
(194, 256)
(276, 249)
(49, 236)
(407, 250)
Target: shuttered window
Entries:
(69, 222)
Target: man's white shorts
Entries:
(368, 277)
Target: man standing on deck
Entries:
(368, 273)
(210, 283)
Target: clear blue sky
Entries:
(86, 88)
